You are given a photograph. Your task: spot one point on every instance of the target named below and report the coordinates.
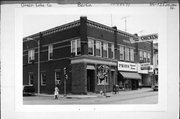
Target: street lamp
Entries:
(38, 43)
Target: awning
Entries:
(130, 75)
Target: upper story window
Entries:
(111, 50)
(50, 52)
(76, 47)
(149, 57)
(131, 54)
(118, 52)
(31, 78)
(140, 55)
(31, 56)
(105, 50)
(121, 53)
(98, 48)
(127, 54)
(145, 57)
(90, 47)
(43, 78)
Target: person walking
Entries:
(56, 93)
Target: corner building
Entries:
(83, 47)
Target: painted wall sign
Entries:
(126, 66)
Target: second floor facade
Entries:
(85, 38)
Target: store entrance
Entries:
(90, 80)
(134, 84)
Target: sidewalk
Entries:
(95, 95)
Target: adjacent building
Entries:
(85, 56)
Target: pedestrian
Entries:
(56, 93)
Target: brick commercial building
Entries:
(84, 56)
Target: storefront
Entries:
(146, 72)
(128, 78)
(92, 75)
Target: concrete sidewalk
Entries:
(95, 95)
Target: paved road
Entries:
(137, 97)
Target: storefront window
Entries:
(132, 54)
(90, 47)
(43, 78)
(127, 54)
(105, 50)
(31, 78)
(98, 48)
(57, 78)
(102, 75)
(121, 53)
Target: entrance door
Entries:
(90, 80)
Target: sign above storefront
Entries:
(145, 68)
(144, 38)
(126, 66)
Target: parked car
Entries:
(28, 90)
(155, 87)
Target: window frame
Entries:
(29, 82)
(121, 52)
(104, 49)
(75, 46)
(132, 54)
(100, 48)
(127, 54)
(42, 81)
(31, 55)
(50, 51)
(91, 41)
(59, 81)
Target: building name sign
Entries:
(125, 66)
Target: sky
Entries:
(142, 21)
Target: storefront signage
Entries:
(144, 38)
(125, 66)
(145, 68)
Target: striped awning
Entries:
(130, 75)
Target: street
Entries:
(141, 96)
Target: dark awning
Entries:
(130, 75)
